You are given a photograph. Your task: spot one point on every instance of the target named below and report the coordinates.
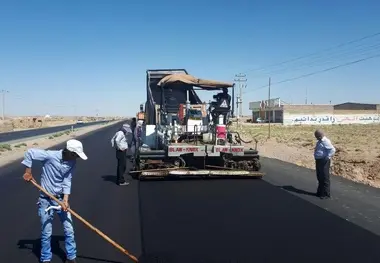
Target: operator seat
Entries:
(171, 104)
(220, 107)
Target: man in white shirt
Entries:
(323, 152)
(122, 142)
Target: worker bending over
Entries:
(122, 141)
(57, 172)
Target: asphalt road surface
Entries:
(16, 135)
(271, 220)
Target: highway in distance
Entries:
(23, 134)
(245, 220)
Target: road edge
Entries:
(7, 167)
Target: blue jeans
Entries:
(47, 229)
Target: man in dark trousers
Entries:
(323, 152)
(122, 142)
(133, 124)
(132, 153)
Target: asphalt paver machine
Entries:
(185, 137)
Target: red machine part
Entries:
(181, 113)
(221, 131)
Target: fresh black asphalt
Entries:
(271, 220)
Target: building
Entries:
(263, 110)
(296, 114)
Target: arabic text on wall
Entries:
(331, 119)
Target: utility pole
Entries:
(3, 92)
(241, 79)
(306, 97)
(269, 109)
(75, 112)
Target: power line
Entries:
(317, 52)
(318, 72)
(321, 62)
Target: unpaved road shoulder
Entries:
(13, 151)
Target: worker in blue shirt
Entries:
(57, 171)
(323, 152)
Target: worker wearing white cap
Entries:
(58, 169)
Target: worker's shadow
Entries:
(109, 178)
(113, 178)
(35, 246)
(296, 190)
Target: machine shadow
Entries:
(35, 246)
(145, 258)
(293, 210)
(293, 189)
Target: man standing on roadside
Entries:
(323, 152)
(57, 171)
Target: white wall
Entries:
(330, 119)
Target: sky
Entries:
(90, 57)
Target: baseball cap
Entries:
(77, 147)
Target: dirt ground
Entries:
(12, 152)
(357, 147)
